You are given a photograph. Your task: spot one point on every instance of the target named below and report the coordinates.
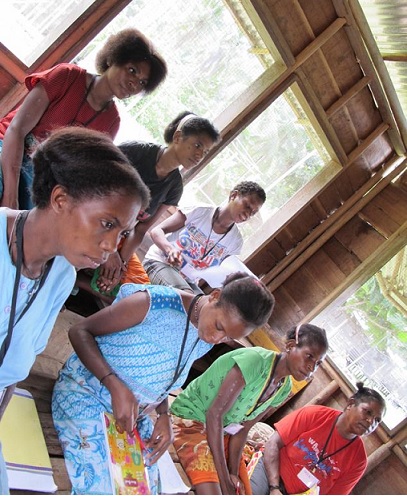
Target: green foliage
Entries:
(380, 317)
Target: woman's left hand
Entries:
(239, 486)
(161, 438)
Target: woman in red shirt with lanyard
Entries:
(67, 95)
(318, 448)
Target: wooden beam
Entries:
(323, 396)
(359, 150)
(369, 58)
(260, 95)
(346, 97)
(395, 57)
(12, 64)
(381, 453)
(320, 113)
(263, 12)
(313, 242)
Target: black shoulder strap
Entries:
(19, 238)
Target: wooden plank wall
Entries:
(354, 245)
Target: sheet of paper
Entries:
(24, 448)
(171, 481)
(215, 275)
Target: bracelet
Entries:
(107, 375)
(274, 486)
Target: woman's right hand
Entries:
(174, 257)
(124, 404)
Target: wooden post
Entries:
(324, 395)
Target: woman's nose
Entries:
(109, 243)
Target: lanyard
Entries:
(97, 112)
(19, 241)
(180, 368)
(324, 456)
(214, 218)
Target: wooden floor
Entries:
(40, 384)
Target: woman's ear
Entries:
(215, 295)
(233, 194)
(290, 345)
(177, 137)
(59, 199)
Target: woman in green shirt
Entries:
(214, 414)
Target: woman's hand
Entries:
(161, 438)
(239, 486)
(110, 272)
(124, 405)
(233, 486)
(174, 257)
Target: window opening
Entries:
(368, 336)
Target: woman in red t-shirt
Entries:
(67, 95)
(319, 448)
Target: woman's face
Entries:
(190, 150)
(242, 207)
(303, 361)
(363, 418)
(89, 231)
(218, 324)
(129, 79)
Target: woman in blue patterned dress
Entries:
(130, 355)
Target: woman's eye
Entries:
(108, 225)
(125, 234)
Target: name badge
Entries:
(307, 477)
(233, 429)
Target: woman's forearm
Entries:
(272, 459)
(11, 159)
(214, 431)
(236, 444)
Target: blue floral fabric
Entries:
(144, 357)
